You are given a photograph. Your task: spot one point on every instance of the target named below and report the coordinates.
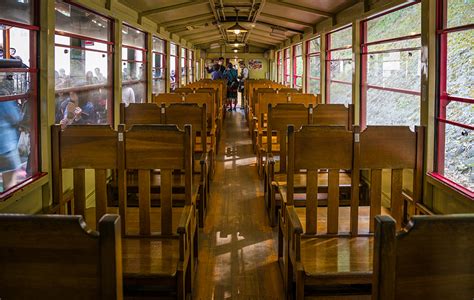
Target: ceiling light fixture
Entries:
(235, 50)
(236, 28)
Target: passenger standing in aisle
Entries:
(244, 75)
(231, 75)
(217, 74)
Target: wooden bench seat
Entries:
(330, 247)
(59, 257)
(338, 260)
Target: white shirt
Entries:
(245, 73)
(128, 96)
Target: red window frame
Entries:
(177, 71)
(32, 95)
(110, 51)
(286, 71)
(163, 67)
(310, 55)
(329, 59)
(444, 98)
(144, 51)
(295, 57)
(365, 52)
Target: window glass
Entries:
(17, 11)
(341, 38)
(75, 20)
(133, 37)
(159, 66)
(408, 22)
(339, 67)
(458, 164)
(391, 87)
(183, 66)
(314, 66)
(18, 98)
(173, 66)
(455, 117)
(460, 64)
(298, 50)
(190, 66)
(134, 84)
(314, 45)
(287, 67)
(460, 12)
(83, 76)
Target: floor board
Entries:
(238, 254)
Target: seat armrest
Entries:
(293, 220)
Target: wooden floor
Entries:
(238, 254)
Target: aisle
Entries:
(237, 258)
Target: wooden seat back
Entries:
(81, 147)
(279, 117)
(305, 99)
(206, 98)
(168, 98)
(313, 148)
(432, 259)
(140, 113)
(184, 90)
(181, 114)
(394, 148)
(151, 147)
(58, 257)
(334, 115)
(286, 90)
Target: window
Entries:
(173, 66)
(183, 65)
(83, 66)
(18, 97)
(313, 61)
(339, 66)
(391, 67)
(298, 66)
(159, 66)
(190, 66)
(279, 67)
(287, 67)
(455, 116)
(134, 83)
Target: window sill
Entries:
(25, 187)
(449, 186)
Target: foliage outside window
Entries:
(134, 83)
(313, 79)
(190, 66)
(159, 66)
(391, 64)
(83, 66)
(286, 67)
(173, 66)
(339, 66)
(183, 65)
(455, 116)
(298, 66)
(18, 96)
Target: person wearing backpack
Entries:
(232, 84)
